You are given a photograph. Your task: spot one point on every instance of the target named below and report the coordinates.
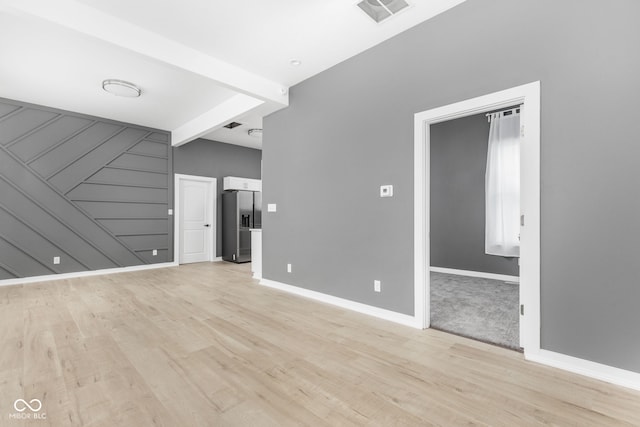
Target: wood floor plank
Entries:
(205, 345)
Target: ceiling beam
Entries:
(215, 118)
(87, 20)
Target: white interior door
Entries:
(196, 220)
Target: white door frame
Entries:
(178, 177)
(529, 94)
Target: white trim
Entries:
(482, 274)
(529, 94)
(62, 276)
(380, 313)
(587, 368)
(213, 192)
(217, 259)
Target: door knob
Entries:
(207, 225)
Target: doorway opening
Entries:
(194, 219)
(529, 292)
(474, 227)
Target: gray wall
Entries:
(350, 129)
(216, 160)
(458, 163)
(92, 191)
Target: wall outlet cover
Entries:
(386, 190)
(271, 207)
(154, 252)
(288, 268)
(377, 286)
(56, 260)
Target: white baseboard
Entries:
(256, 276)
(380, 313)
(217, 259)
(62, 276)
(587, 368)
(575, 365)
(503, 277)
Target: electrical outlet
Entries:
(170, 211)
(377, 286)
(154, 252)
(288, 268)
(272, 207)
(56, 260)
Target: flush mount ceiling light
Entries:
(379, 10)
(295, 62)
(121, 88)
(256, 133)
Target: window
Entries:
(502, 185)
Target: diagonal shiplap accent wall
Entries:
(92, 191)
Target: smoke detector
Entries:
(379, 10)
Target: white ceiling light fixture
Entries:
(121, 88)
(295, 62)
(379, 10)
(256, 133)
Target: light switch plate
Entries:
(271, 207)
(386, 191)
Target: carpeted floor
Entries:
(478, 308)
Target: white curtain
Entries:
(502, 186)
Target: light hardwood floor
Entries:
(204, 345)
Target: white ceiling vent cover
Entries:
(379, 10)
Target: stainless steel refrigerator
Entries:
(241, 211)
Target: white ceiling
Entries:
(200, 63)
(65, 67)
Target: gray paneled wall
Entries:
(203, 157)
(458, 163)
(350, 129)
(93, 192)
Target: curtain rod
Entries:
(512, 110)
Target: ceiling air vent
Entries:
(232, 125)
(379, 10)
